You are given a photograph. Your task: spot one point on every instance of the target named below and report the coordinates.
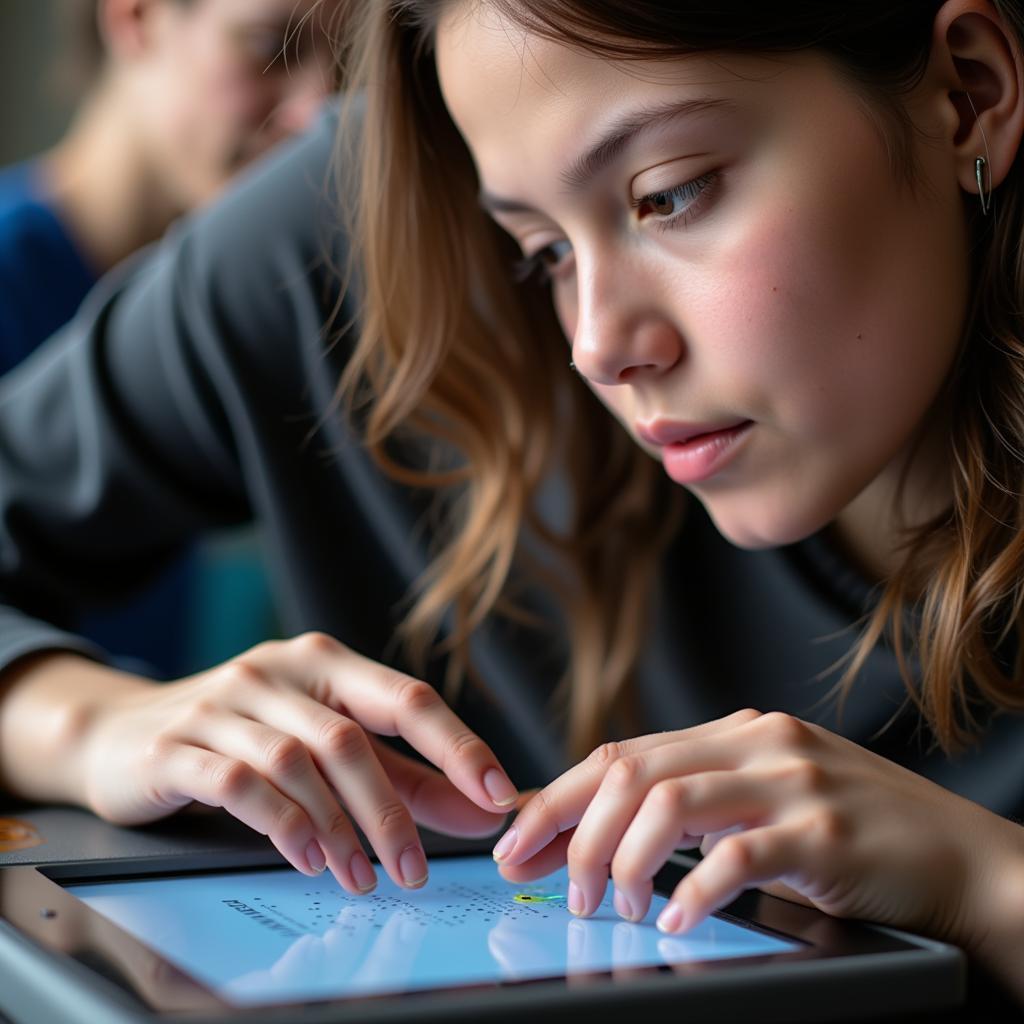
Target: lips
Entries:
(695, 452)
(663, 432)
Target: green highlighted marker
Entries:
(537, 897)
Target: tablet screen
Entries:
(278, 936)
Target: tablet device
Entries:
(138, 941)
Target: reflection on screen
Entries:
(279, 936)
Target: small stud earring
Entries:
(979, 173)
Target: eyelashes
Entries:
(659, 206)
(542, 263)
(696, 191)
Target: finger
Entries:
(433, 800)
(523, 799)
(739, 861)
(426, 723)
(286, 762)
(550, 858)
(345, 757)
(562, 803)
(677, 810)
(622, 791)
(390, 703)
(783, 892)
(219, 781)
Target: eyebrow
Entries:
(615, 139)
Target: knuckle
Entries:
(668, 796)
(285, 755)
(581, 854)
(829, 828)
(339, 827)
(413, 696)
(240, 674)
(747, 715)
(540, 809)
(290, 822)
(736, 853)
(203, 707)
(261, 650)
(157, 750)
(783, 729)
(625, 871)
(344, 740)
(317, 643)
(231, 779)
(392, 817)
(623, 775)
(461, 746)
(604, 756)
(809, 776)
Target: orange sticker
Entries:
(18, 835)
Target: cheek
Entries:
(848, 313)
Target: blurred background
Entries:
(118, 118)
(36, 108)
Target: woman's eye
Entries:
(675, 203)
(544, 262)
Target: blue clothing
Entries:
(43, 279)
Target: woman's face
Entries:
(730, 253)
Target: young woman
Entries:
(763, 228)
(780, 244)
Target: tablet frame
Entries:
(60, 956)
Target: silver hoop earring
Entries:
(979, 173)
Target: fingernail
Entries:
(362, 872)
(504, 846)
(576, 902)
(670, 918)
(413, 866)
(499, 787)
(315, 857)
(622, 907)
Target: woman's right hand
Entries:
(283, 738)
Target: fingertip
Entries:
(315, 857)
(413, 866)
(499, 788)
(363, 875)
(505, 845)
(670, 920)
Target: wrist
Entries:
(995, 933)
(93, 732)
(52, 704)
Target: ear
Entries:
(126, 26)
(978, 55)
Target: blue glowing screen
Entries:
(278, 936)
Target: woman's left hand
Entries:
(774, 802)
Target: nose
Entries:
(623, 327)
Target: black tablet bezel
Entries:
(35, 901)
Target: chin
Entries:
(754, 525)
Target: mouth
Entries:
(692, 452)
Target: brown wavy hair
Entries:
(453, 349)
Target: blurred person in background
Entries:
(177, 96)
